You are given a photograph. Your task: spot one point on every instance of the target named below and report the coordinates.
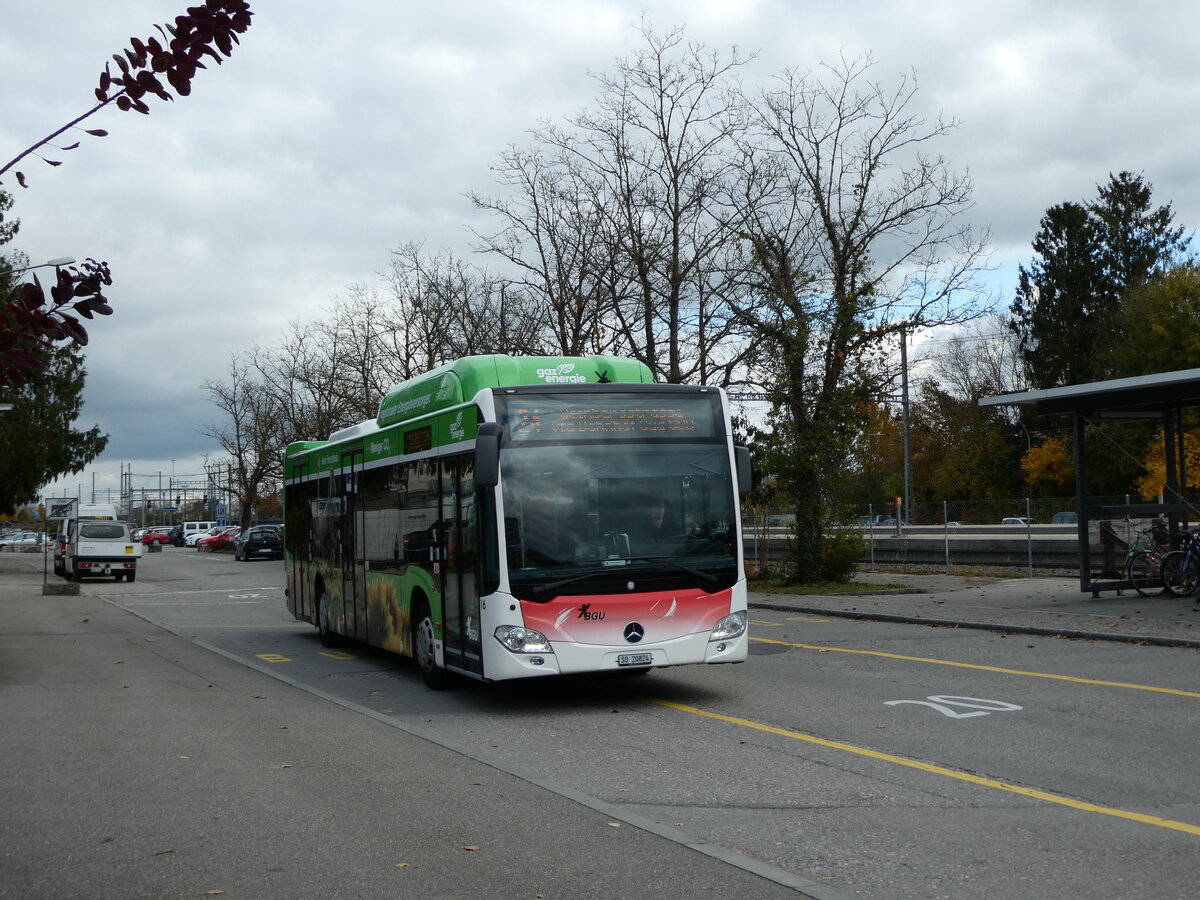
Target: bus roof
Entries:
(457, 382)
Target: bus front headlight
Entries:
(731, 626)
(522, 640)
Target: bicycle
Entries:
(1143, 564)
(1181, 568)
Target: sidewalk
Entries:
(137, 764)
(1052, 606)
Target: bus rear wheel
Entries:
(328, 637)
(425, 653)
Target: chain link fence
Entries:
(1023, 535)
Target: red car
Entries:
(222, 540)
(156, 535)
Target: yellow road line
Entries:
(1002, 671)
(936, 770)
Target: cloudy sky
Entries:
(338, 132)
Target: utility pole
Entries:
(908, 509)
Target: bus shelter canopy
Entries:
(1163, 397)
(1163, 392)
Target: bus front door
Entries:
(458, 562)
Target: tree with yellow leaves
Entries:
(1048, 465)
(1155, 464)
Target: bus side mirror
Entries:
(487, 455)
(741, 457)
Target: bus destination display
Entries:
(548, 419)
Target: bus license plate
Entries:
(635, 659)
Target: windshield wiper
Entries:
(707, 576)
(555, 585)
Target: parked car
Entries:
(876, 520)
(1064, 518)
(192, 538)
(222, 539)
(23, 540)
(159, 534)
(262, 540)
(1018, 520)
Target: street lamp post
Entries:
(55, 263)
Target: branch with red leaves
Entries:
(30, 321)
(206, 31)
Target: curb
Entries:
(984, 626)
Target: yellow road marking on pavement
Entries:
(273, 657)
(761, 624)
(805, 619)
(936, 770)
(1002, 671)
(338, 654)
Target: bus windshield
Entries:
(611, 494)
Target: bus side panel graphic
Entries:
(389, 607)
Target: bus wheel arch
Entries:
(424, 640)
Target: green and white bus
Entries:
(505, 517)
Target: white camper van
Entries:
(71, 514)
(99, 548)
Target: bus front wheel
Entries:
(425, 653)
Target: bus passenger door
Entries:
(459, 560)
(350, 542)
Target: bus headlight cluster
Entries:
(523, 640)
(729, 627)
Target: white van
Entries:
(101, 547)
(71, 514)
(191, 530)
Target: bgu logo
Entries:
(586, 614)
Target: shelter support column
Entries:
(1079, 423)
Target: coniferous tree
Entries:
(1067, 311)
(38, 442)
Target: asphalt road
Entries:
(845, 759)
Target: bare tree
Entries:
(443, 307)
(649, 167)
(302, 374)
(364, 350)
(252, 433)
(853, 237)
(979, 359)
(553, 236)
